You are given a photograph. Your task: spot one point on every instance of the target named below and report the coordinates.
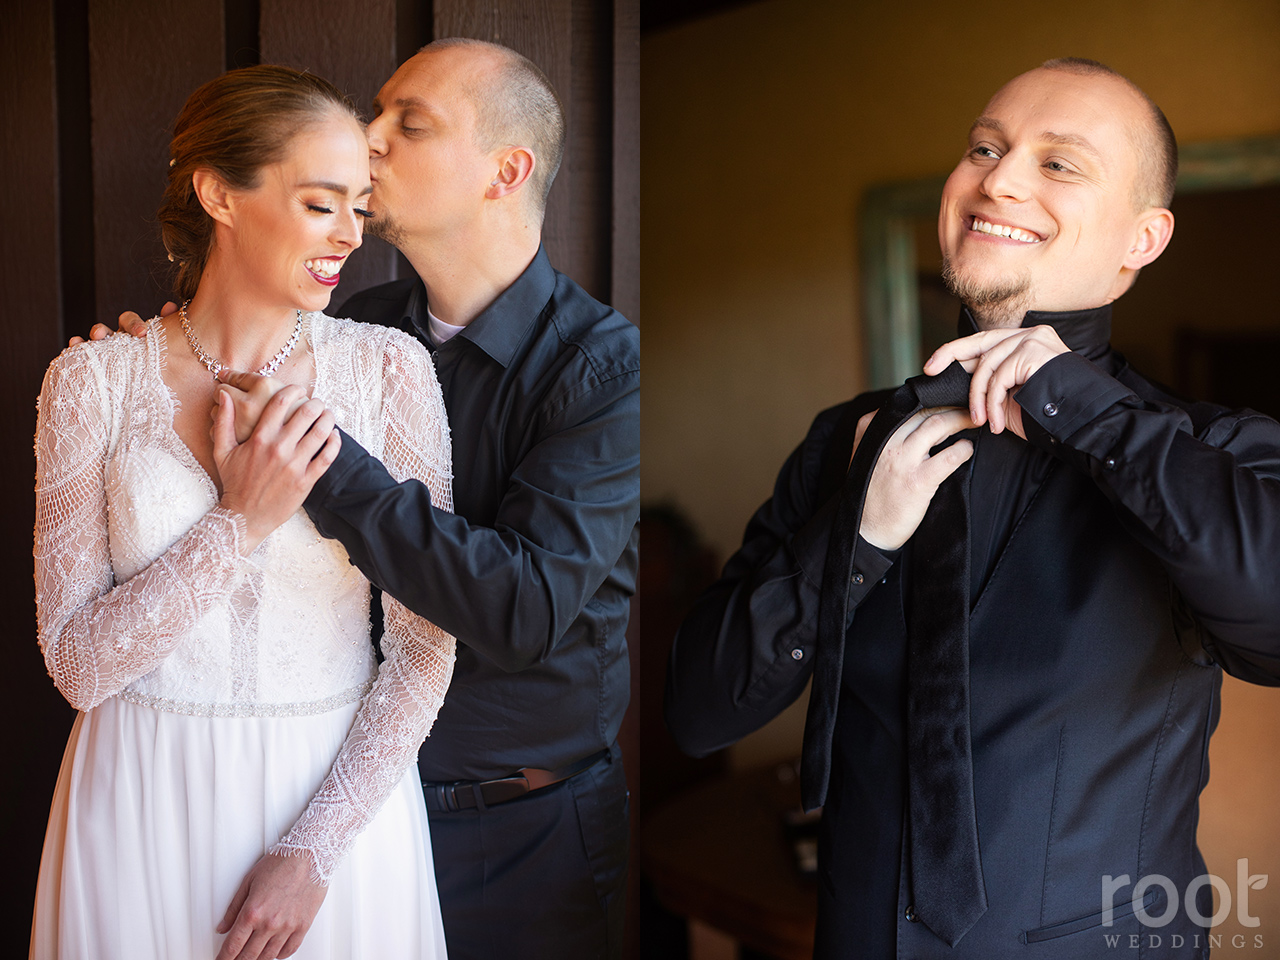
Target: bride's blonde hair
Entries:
(234, 125)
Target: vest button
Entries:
(911, 914)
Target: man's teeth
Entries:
(325, 268)
(999, 230)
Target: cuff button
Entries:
(1050, 409)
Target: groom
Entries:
(1015, 674)
(534, 573)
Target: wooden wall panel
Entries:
(28, 209)
(354, 46)
(75, 166)
(589, 152)
(32, 334)
(620, 209)
(625, 238)
(413, 27)
(145, 58)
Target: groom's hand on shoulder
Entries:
(129, 322)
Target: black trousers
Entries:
(542, 877)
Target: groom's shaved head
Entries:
(515, 106)
(1157, 146)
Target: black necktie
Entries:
(946, 870)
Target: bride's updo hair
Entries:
(233, 125)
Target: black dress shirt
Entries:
(1120, 556)
(534, 572)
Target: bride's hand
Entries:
(272, 911)
(249, 393)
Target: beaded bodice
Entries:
(292, 636)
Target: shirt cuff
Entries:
(870, 564)
(1065, 394)
(810, 543)
(350, 456)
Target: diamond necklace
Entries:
(214, 365)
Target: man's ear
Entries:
(213, 195)
(1151, 236)
(515, 167)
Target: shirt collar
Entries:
(1087, 332)
(441, 332)
(501, 326)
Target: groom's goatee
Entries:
(385, 228)
(1000, 304)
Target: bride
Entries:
(240, 762)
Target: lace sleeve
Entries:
(98, 637)
(400, 709)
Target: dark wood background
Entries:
(89, 89)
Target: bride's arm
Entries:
(401, 707)
(98, 637)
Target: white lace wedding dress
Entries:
(229, 706)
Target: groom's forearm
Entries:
(512, 589)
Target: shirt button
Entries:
(911, 914)
(1050, 409)
(856, 579)
(797, 654)
(1109, 463)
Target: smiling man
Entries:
(1017, 614)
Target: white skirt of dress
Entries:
(157, 817)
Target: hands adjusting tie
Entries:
(946, 871)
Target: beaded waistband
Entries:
(250, 709)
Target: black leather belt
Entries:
(469, 794)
